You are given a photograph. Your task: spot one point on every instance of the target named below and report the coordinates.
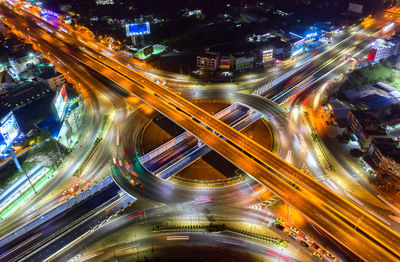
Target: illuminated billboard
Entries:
(9, 128)
(137, 29)
(60, 102)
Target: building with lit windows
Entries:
(242, 61)
(268, 56)
(381, 49)
(208, 61)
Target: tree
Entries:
(355, 152)
(44, 134)
(343, 138)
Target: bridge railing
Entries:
(262, 90)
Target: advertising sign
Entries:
(137, 29)
(356, 8)
(60, 102)
(9, 128)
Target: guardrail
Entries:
(217, 182)
(171, 143)
(63, 207)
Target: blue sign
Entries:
(137, 29)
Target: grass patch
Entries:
(45, 154)
(381, 72)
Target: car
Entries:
(315, 246)
(330, 256)
(317, 255)
(134, 173)
(293, 235)
(66, 192)
(295, 230)
(139, 185)
(304, 244)
(279, 220)
(279, 226)
(305, 238)
(75, 187)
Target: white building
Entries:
(381, 49)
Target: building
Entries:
(296, 43)
(327, 29)
(19, 66)
(337, 109)
(16, 67)
(225, 63)
(6, 81)
(381, 49)
(366, 126)
(254, 17)
(268, 56)
(385, 154)
(55, 80)
(65, 7)
(23, 95)
(208, 61)
(396, 40)
(242, 61)
(282, 50)
(189, 13)
(104, 2)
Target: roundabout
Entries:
(166, 191)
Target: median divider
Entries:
(93, 149)
(219, 228)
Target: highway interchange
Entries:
(339, 218)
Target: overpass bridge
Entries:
(181, 151)
(346, 223)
